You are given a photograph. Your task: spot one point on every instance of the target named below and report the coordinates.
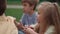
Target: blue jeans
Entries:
(20, 32)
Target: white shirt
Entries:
(7, 25)
(50, 30)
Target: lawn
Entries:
(17, 13)
(14, 2)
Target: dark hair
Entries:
(2, 6)
(31, 2)
(51, 16)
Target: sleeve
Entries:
(22, 20)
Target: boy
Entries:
(29, 15)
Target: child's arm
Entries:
(19, 25)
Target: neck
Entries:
(30, 13)
(2, 14)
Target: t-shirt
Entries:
(50, 30)
(29, 20)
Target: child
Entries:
(7, 25)
(29, 14)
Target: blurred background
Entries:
(14, 7)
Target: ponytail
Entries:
(56, 19)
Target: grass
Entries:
(14, 2)
(17, 13)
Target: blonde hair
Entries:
(51, 14)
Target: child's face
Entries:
(38, 18)
(26, 8)
(40, 14)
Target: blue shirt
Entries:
(29, 20)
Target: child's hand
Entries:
(31, 27)
(19, 25)
(29, 31)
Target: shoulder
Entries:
(50, 30)
(35, 13)
(12, 26)
(23, 15)
(11, 18)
